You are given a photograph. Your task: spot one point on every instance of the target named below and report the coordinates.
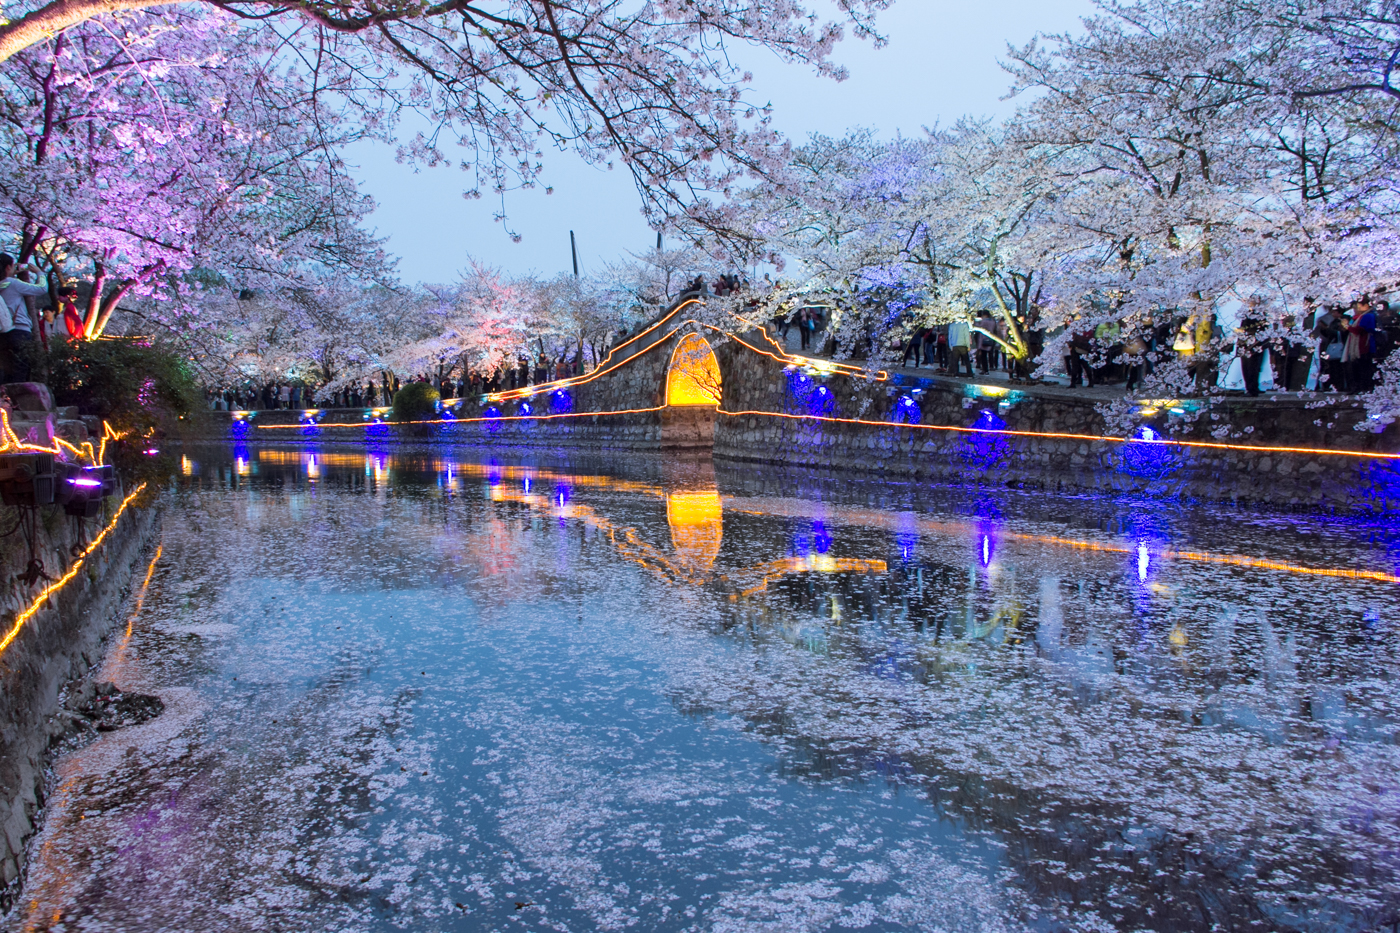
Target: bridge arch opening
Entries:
(693, 377)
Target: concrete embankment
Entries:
(45, 689)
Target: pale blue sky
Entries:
(941, 63)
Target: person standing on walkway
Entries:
(959, 347)
(17, 341)
(985, 325)
(1330, 333)
(1076, 367)
(913, 347)
(1360, 346)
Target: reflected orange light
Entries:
(120, 653)
(812, 563)
(697, 525)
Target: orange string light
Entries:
(1052, 435)
(550, 417)
(956, 429)
(10, 443)
(62, 581)
(607, 366)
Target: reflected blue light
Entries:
(1143, 558)
(906, 544)
(906, 535)
(562, 495)
(821, 540)
(527, 485)
(986, 550)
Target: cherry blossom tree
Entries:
(162, 156)
(1210, 156)
(651, 86)
(899, 234)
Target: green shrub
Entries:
(144, 390)
(416, 401)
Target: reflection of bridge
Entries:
(695, 516)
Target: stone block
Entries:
(29, 396)
(74, 432)
(33, 428)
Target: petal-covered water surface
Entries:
(431, 690)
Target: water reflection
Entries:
(661, 694)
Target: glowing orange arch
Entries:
(693, 376)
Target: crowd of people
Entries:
(1340, 350)
(955, 348)
(273, 396)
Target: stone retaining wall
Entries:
(1291, 480)
(42, 670)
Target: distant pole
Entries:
(573, 248)
(658, 241)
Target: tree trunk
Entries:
(53, 18)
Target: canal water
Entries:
(431, 690)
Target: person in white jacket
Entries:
(17, 341)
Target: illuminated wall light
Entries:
(906, 411)
(561, 401)
(1146, 454)
(986, 446)
(821, 401)
(526, 410)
